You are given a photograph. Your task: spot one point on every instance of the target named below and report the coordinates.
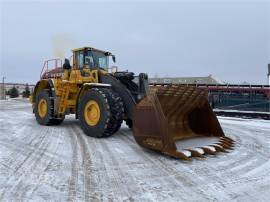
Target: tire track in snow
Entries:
(15, 160)
(43, 167)
(257, 155)
(235, 177)
(87, 165)
(249, 147)
(72, 186)
(210, 173)
(20, 190)
(226, 177)
(115, 174)
(176, 177)
(25, 167)
(118, 176)
(143, 152)
(15, 145)
(101, 172)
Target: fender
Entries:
(41, 85)
(124, 93)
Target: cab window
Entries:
(89, 61)
(100, 59)
(80, 59)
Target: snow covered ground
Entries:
(61, 163)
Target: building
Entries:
(185, 80)
(19, 86)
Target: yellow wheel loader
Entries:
(175, 120)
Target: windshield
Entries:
(96, 59)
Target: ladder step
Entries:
(63, 99)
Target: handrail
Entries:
(45, 68)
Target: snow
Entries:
(60, 163)
(197, 142)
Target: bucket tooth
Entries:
(225, 146)
(195, 153)
(228, 139)
(229, 144)
(179, 154)
(207, 150)
(219, 148)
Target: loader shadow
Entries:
(125, 134)
(153, 155)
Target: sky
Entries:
(227, 39)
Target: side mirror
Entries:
(113, 58)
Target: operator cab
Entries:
(91, 58)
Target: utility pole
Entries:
(268, 74)
(3, 88)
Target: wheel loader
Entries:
(175, 120)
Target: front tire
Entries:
(100, 112)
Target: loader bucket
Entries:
(178, 121)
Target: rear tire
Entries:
(44, 109)
(100, 112)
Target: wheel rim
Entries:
(42, 108)
(92, 113)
